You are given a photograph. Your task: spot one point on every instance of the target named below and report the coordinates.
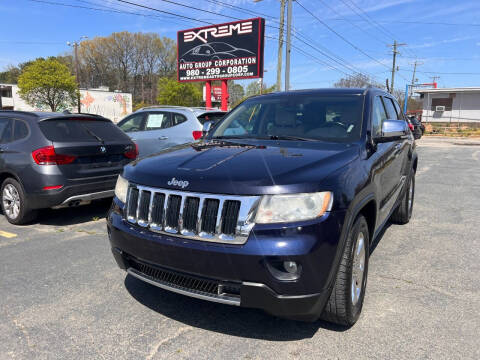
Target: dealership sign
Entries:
(224, 51)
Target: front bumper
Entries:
(314, 245)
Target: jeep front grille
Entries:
(199, 216)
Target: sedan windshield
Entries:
(295, 117)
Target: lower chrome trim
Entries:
(85, 198)
(223, 299)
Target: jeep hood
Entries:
(243, 168)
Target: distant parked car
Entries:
(58, 160)
(418, 127)
(159, 127)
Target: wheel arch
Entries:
(7, 174)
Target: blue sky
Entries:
(441, 34)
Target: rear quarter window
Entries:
(211, 116)
(20, 130)
(62, 130)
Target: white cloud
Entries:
(440, 42)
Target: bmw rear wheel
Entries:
(13, 203)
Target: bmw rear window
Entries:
(76, 129)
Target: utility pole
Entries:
(416, 63)
(289, 47)
(434, 81)
(395, 52)
(280, 45)
(77, 67)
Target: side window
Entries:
(392, 112)
(6, 130)
(134, 123)
(399, 111)
(178, 119)
(157, 121)
(378, 116)
(20, 130)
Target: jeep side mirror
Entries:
(206, 127)
(392, 130)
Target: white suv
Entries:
(155, 128)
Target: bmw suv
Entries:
(57, 160)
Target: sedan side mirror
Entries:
(206, 127)
(393, 130)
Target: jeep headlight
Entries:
(293, 207)
(121, 189)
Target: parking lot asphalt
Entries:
(63, 297)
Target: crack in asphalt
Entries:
(156, 347)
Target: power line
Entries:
(182, 5)
(113, 10)
(411, 22)
(243, 10)
(355, 11)
(340, 35)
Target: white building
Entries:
(112, 105)
(455, 105)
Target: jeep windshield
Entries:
(295, 117)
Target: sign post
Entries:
(230, 51)
(208, 94)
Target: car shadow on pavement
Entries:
(74, 215)
(226, 319)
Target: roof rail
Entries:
(162, 106)
(177, 107)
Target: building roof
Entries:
(449, 90)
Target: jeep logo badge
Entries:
(103, 149)
(181, 183)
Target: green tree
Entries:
(48, 83)
(172, 92)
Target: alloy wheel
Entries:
(11, 201)
(358, 268)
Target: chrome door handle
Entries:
(162, 137)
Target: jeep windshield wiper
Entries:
(288, 137)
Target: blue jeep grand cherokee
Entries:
(276, 208)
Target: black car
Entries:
(418, 127)
(57, 160)
(276, 208)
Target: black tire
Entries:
(24, 214)
(341, 307)
(403, 212)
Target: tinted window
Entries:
(5, 130)
(391, 111)
(319, 117)
(378, 116)
(80, 130)
(20, 130)
(211, 116)
(178, 119)
(399, 111)
(132, 124)
(157, 121)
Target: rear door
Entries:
(399, 156)
(180, 129)
(152, 138)
(97, 145)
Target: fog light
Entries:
(290, 267)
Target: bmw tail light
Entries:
(132, 153)
(47, 156)
(197, 134)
